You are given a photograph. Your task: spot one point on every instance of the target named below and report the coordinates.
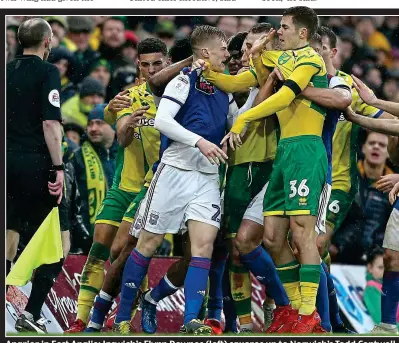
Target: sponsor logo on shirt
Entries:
(147, 122)
(54, 98)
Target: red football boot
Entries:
(306, 323)
(76, 327)
(215, 325)
(283, 317)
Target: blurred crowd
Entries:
(97, 55)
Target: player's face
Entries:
(375, 149)
(217, 54)
(150, 64)
(327, 53)
(377, 267)
(95, 130)
(289, 35)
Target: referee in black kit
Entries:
(35, 172)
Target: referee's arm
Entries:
(52, 126)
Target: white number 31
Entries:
(302, 189)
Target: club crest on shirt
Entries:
(153, 218)
(204, 86)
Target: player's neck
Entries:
(330, 68)
(373, 171)
(301, 44)
(34, 52)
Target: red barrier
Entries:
(62, 300)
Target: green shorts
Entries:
(298, 177)
(114, 206)
(243, 183)
(134, 205)
(338, 208)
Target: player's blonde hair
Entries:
(204, 33)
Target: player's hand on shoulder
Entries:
(365, 93)
(233, 139)
(137, 116)
(120, 102)
(211, 151)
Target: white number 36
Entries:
(302, 189)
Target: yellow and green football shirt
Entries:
(344, 159)
(134, 163)
(301, 67)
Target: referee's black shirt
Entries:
(33, 95)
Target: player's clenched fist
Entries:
(200, 64)
(211, 151)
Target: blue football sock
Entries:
(335, 318)
(102, 305)
(195, 285)
(322, 304)
(259, 262)
(135, 270)
(163, 289)
(389, 297)
(215, 302)
(229, 309)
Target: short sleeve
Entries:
(338, 82)
(178, 89)
(51, 90)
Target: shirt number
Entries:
(334, 207)
(302, 190)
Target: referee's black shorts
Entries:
(28, 198)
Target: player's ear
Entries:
(303, 32)
(333, 52)
(205, 53)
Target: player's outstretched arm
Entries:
(158, 82)
(127, 123)
(339, 95)
(227, 83)
(385, 126)
(298, 80)
(370, 98)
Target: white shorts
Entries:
(175, 196)
(391, 237)
(254, 210)
(323, 206)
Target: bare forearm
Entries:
(53, 137)
(125, 132)
(158, 82)
(387, 106)
(385, 126)
(329, 98)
